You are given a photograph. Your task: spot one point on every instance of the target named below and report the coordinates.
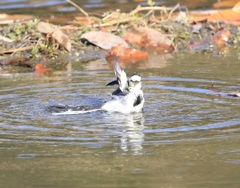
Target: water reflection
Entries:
(47, 7)
(132, 135)
(27, 4)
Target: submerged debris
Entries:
(233, 94)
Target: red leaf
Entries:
(149, 38)
(40, 70)
(124, 53)
(221, 38)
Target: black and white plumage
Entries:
(128, 97)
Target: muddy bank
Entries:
(132, 37)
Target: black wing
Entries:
(138, 100)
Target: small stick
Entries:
(139, 9)
(5, 39)
(113, 22)
(70, 27)
(80, 9)
(173, 9)
(12, 51)
(219, 95)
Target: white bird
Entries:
(128, 97)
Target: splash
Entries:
(71, 112)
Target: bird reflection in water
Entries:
(131, 127)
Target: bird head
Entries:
(135, 83)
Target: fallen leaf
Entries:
(196, 28)
(149, 39)
(8, 19)
(132, 55)
(226, 16)
(221, 38)
(225, 3)
(196, 16)
(40, 70)
(236, 7)
(56, 33)
(230, 16)
(59, 19)
(19, 61)
(85, 20)
(103, 40)
(46, 28)
(5, 39)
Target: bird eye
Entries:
(135, 82)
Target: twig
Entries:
(139, 9)
(70, 27)
(80, 9)
(173, 9)
(13, 51)
(108, 16)
(219, 95)
(5, 39)
(113, 22)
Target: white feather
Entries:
(130, 93)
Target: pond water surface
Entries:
(187, 136)
(55, 7)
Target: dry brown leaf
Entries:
(226, 16)
(149, 38)
(225, 3)
(85, 20)
(19, 61)
(8, 19)
(5, 39)
(56, 33)
(230, 16)
(221, 38)
(236, 7)
(104, 40)
(59, 19)
(199, 16)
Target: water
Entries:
(61, 7)
(186, 137)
